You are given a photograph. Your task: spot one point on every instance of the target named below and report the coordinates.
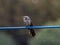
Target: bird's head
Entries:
(26, 17)
(27, 20)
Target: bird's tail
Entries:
(32, 32)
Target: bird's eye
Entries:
(25, 18)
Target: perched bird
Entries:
(28, 22)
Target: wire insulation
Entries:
(26, 27)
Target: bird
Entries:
(28, 22)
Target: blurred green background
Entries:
(50, 36)
(42, 12)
